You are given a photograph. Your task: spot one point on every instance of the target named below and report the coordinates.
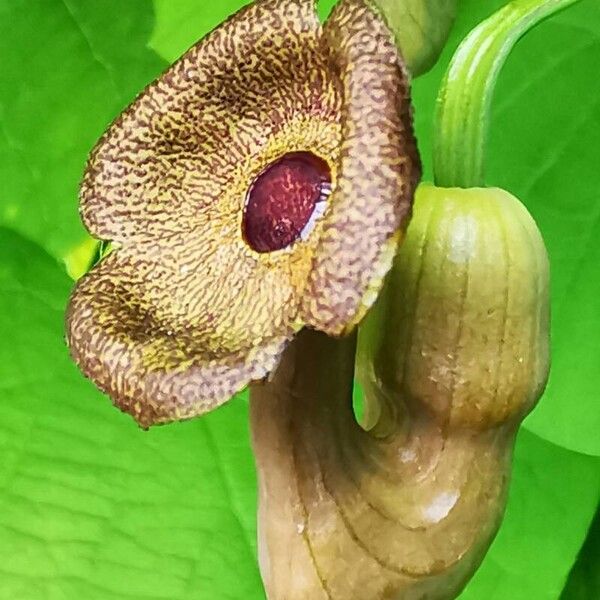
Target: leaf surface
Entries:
(92, 507)
(68, 68)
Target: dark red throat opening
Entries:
(282, 200)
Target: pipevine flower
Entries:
(259, 186)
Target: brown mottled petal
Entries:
(193, 140)
(378, 171)
(163, 355)
(184, 313)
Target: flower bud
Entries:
(421, 28)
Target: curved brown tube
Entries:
(345, 515)
(406, 510)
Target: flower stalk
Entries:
(465, 97)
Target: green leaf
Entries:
(90, 505)
(544, 147)
(584, 580)
(68, 68)
(553, 496)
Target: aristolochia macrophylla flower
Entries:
(256, 187)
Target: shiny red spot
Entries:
(282, 200)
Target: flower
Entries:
(259, 186)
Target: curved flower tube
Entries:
(259, 186)
(452, 358)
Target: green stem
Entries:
(464, 100)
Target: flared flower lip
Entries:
(184, 313)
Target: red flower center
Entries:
(284, 201)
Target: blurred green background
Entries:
(91, 507)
